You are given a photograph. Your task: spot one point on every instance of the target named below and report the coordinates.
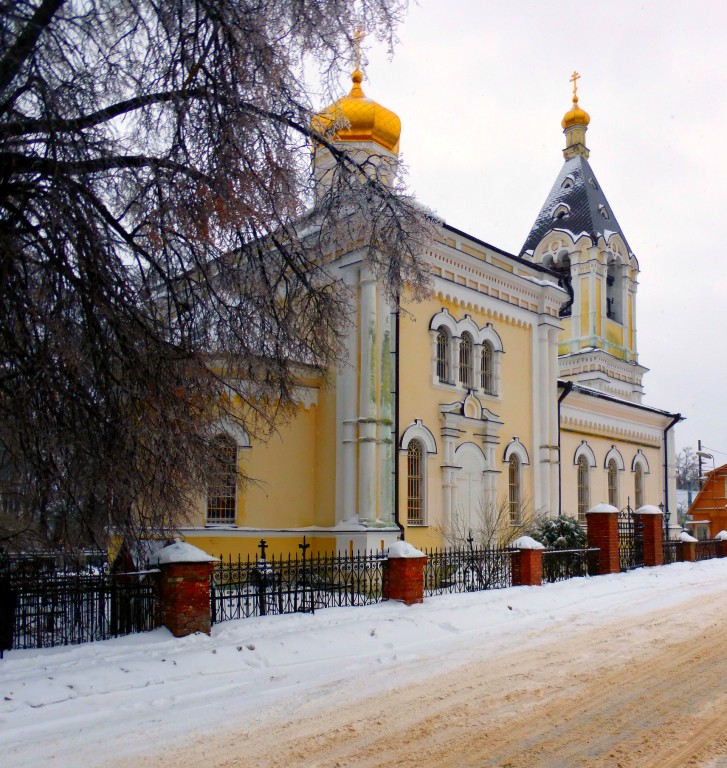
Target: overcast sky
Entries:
(481, 88)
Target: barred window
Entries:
(487, 378)
(415, 483)
(465, 360)
(222, 490)
(515, 495)
(638, 487)
(584, 490)
(613, 483)
(443, 356)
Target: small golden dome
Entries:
(575, 116)
(368, 121)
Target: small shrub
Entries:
(559, 533)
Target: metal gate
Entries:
(630, 539)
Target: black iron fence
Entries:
(258, 587)
(45, 602)
(562, 564)
(705, 550)
(671, 551)
(630, 539)
(467, 569)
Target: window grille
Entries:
(583, 489)
(639, 487)
(486, 369)
(613, 483)
(443, 356)
(415, 481)
(514, 491)
(465, 360)
(222, 490)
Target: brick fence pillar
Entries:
(527, 563)
(603, 533)
(688, 548)
(404, 573)
(184, 588)
(650, 519)
(722, 538)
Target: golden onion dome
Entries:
(575, 116)
(367, 120)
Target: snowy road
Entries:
(620, 671)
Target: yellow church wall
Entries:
(324, 467)
(598, 476)
(245, 544)
(421, 399)
(615, 335)
(585, 306)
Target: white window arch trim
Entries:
(517, 448)
(639, 458)
(614, 453)
(585, 450)
(233, 430)
(417, 431)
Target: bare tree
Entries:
(687, 468)
(162, 254)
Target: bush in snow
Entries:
(559, 533)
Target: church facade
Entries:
(513, 390)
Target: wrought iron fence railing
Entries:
(671, 551)
(469, 569)
(563, 564)
(241, 588)
(45, 603)
(705, 550)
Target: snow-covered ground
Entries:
(86, 705)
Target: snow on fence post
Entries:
(404, 573)
(649, 517)
(688, 547)
(527, 562)
(184, 588)
(603, 533)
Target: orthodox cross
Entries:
(304, 546)
(358, 37)
(263, 545)
(574, 78)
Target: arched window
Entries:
(443, 355)
(514, 490)
(222, 490)
(415, 483)
(466, 347)
(638, 486)
(487, 373)
(584, 490)
(613, 483)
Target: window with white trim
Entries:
(443, 355)
(584, 489)
(514, 490)
(466, 350)
(222, 489)
(415, 457)
(613, 483)
(487, 368)
(638, 486)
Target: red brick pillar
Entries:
(404, 577)
(184, 588)
(603, 533)
(722, 543)
(688, 547)
(650, 518)
(527, 563)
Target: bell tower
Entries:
(577, 235)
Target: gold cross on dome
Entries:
(358, 38)
(574, 78)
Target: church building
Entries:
(513, 390)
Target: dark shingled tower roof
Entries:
(588, 210)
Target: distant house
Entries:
(709, 509)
